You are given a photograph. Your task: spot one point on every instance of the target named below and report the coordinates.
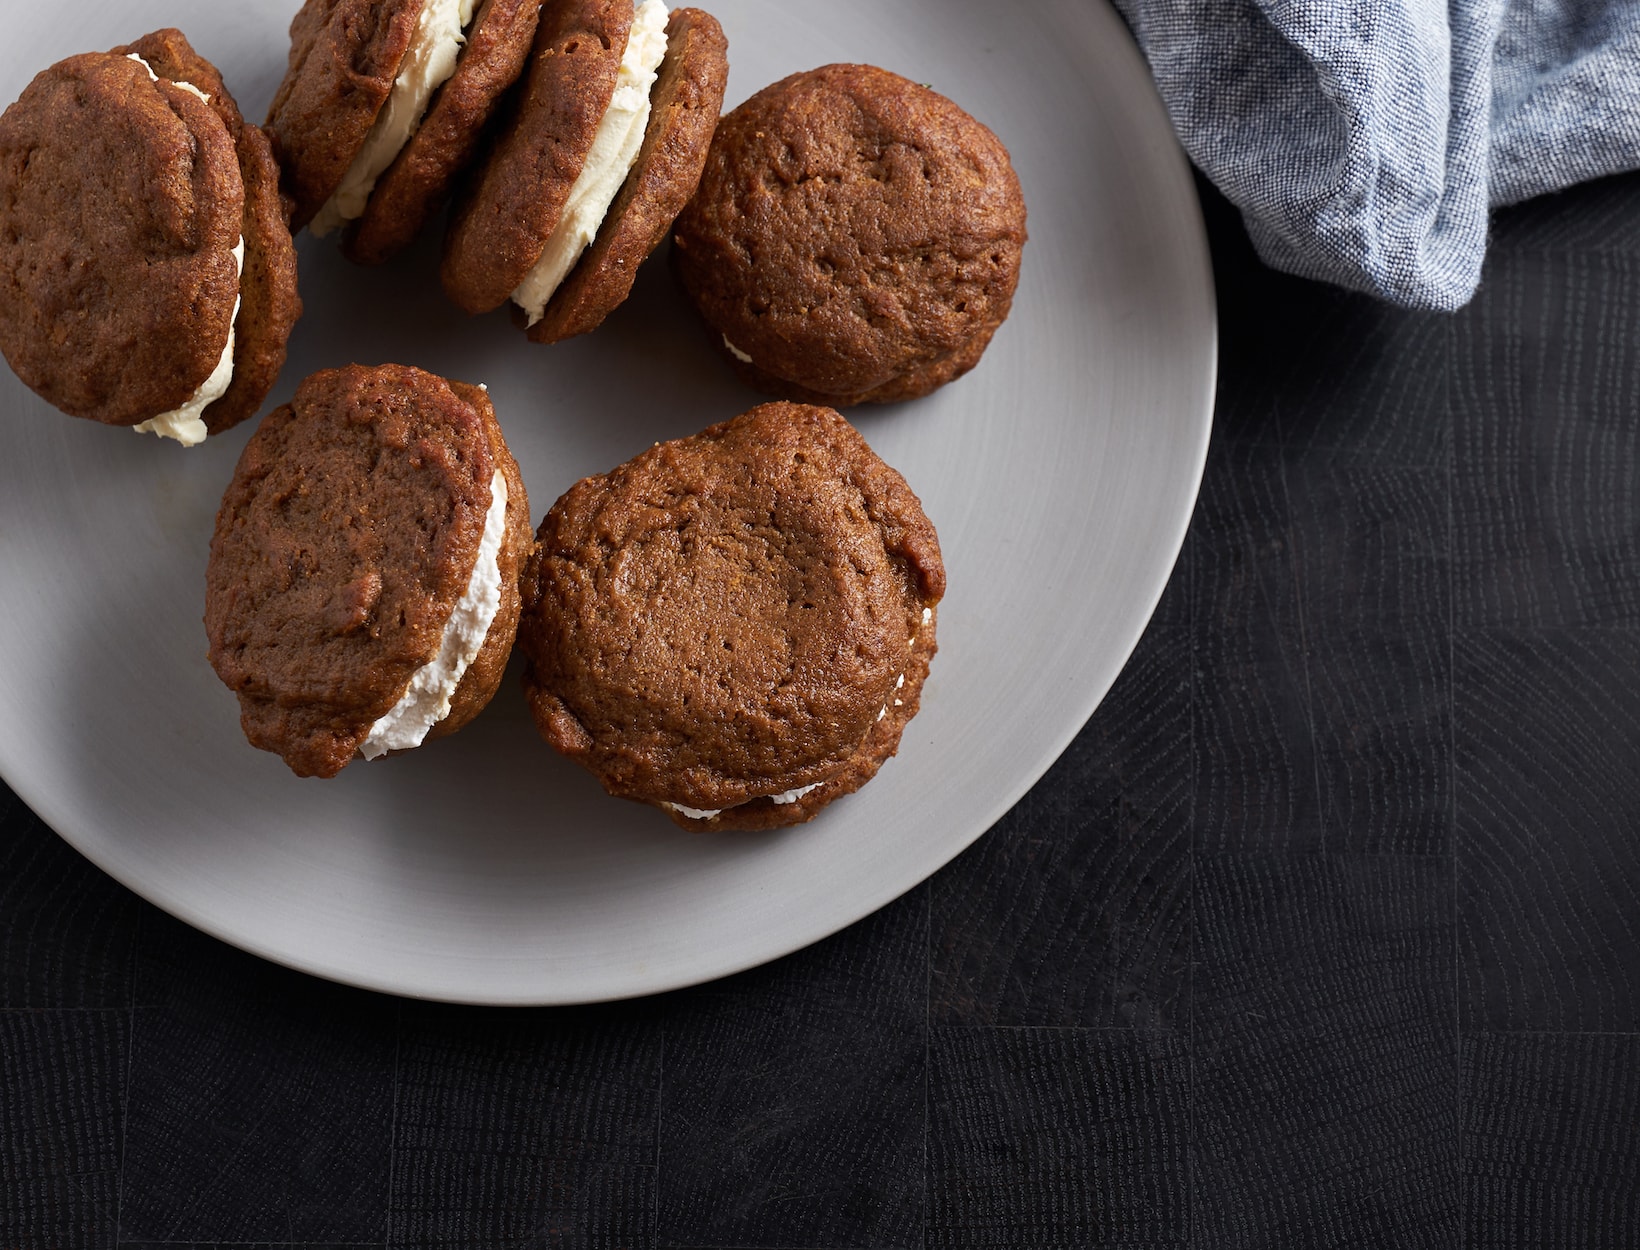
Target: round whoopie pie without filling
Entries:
(734, 626)
(350, 532)
(855, 238)
(684, 107)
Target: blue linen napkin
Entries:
(1365, 140)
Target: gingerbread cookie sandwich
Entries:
(605, 145)
(384, 103)
(734, 627)
(856, 238)
(147, 276)
(362, 590)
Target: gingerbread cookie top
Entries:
(351, 528)
(120, 209)
(855, 235)
(726, 616)
(882, 743)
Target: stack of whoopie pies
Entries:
(597, 150)
(734, 626)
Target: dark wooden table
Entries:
(1325, 932)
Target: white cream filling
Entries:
(736, 352)
(428, 63)
(706, 813)
(695, 813)
(610, 159)
(426, 700)
(186, 86)
(791, 796)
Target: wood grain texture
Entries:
(1551, 1141)
(1597, 217)
(260, 1101)
(1546, 517)
(1325, 1053)
(525, 1128)
(792, 1110)
(1548, 753)
(1251, 354)
(1327, 374)
(1370, 554)
(1254, 734)
(67, 932)
(1291, 942)
(1075, 909)
(1057, 1137)
(1362, 383)
(62, 1087)
(1321, 593)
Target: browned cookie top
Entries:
(269, 304)
(852, 227)
(684, 105)
(498, 43)
(120, 205)
(881, 744)
(503, 221)
(344, 56)
(347, 535)
(725, 615)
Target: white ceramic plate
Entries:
(1061, 475)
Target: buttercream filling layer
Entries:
(428, 63)
(426, 700)
(614, 151)
(706, 813)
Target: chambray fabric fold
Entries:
(1365, 141)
